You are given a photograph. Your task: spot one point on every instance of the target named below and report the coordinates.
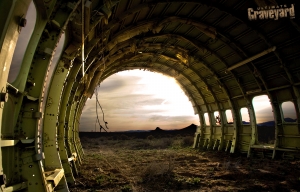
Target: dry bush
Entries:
(150, 137)
(177, 143)
(154, 143)
(139, 144)
(124, 137)
(178, 136)
(160, 176)
(188, 141)
(115, 137)
(158, 171)
(162, 143)
(167, 142)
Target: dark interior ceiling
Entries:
(219, 56)
(195, 42)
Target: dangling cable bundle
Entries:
(98, 103)
(97, 120)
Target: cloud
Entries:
(150, 101)
(119, 84)
(130, 103)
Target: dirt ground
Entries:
(170, 164)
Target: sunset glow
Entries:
(134, 100)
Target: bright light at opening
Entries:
(139, 100)
(175, 102)
(263, 109)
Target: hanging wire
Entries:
(102, 112)
(98, 120)
(96, 90)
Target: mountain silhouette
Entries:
(267, 123)
(290, 120)
(191, 127)
(245, 123)
(272, 123)
(158, 129)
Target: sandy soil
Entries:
(170, 164)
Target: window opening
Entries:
(245, 116)
(206, 119)
(264, 119)
(217, 118)
(289, 112)
(229, 116)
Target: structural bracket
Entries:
(54, 176)
(252, 58)
(8, 143)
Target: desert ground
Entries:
(167, 162)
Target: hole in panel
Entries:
(217, 118)
(289, 112)
(229, 116)
(206, 118)
(264, 119)
(245, 116)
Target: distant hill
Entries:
(268, 124)
(245, 123)
(158, 129)
(290, 120)
(191, 127)
(136, 131)
(272, 123)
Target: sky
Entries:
(137, 100)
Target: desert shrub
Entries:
(162, 143)
(194, 181)
(150, 137)
(103, 139)
(126, 188)
(158, 136)
(115, 137)
(177, 143)
(188, 141)
(97, 143)
(103, 179)
(124, 137)
(167, 142)
(140, 144)
(158, 171)
(178, 136)
(100, 179)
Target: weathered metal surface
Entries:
(221, 59)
